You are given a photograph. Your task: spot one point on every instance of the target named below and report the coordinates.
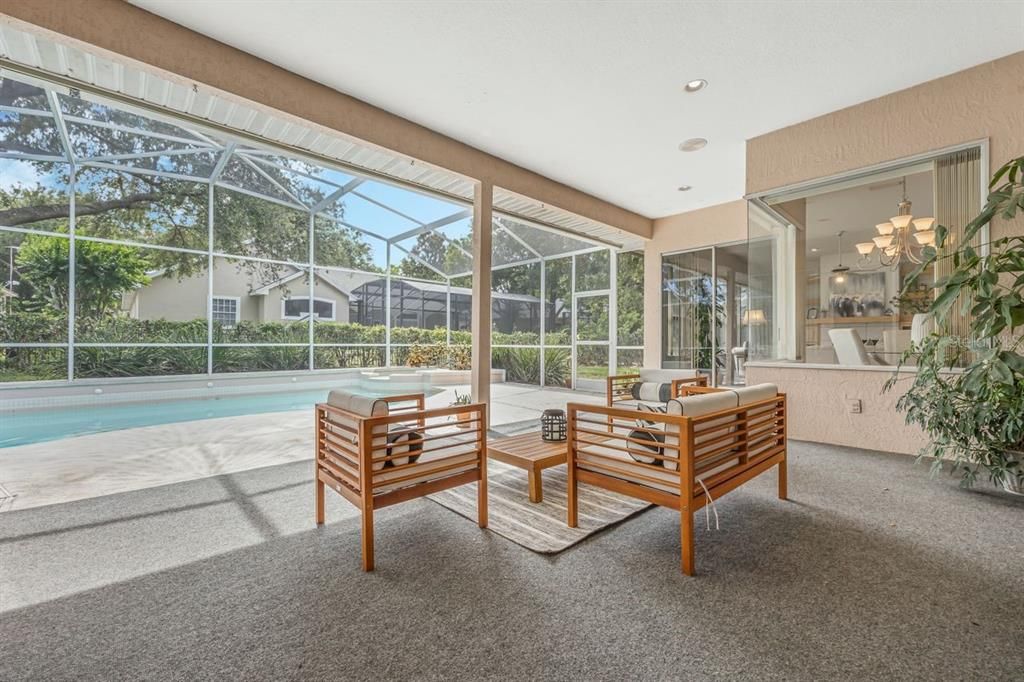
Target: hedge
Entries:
(411, 346)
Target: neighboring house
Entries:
(281, 295)
(240, 294)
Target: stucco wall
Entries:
(817, 404)
(694, 229)
(986, 101)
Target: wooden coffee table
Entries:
(528, 451)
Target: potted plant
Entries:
(462, 419)
(968, 394)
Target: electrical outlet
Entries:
(854, 405)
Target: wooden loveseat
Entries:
(707, 443)
(376, 452)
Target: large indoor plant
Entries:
(968, 393)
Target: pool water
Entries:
(35, 426)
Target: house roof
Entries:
(280, 281)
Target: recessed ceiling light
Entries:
(693, 144)
(685, 188)
(814, 251)
(695, 85)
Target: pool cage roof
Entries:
(88, 131)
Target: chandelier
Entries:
(902, 238)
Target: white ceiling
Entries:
(590, 94)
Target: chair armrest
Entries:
(678, 385)
(619, 386)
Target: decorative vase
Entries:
(463, 420)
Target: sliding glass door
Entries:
(708, 312)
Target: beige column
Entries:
(480, 381)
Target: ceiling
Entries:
(590, 94)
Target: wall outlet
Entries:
(853, 405)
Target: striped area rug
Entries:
(539, 527)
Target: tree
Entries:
(115, 203)
(103, 274)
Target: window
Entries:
(298, 308)
(826, 264)
(225, 310)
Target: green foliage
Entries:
(103, 273)
(975, 418)
(522, 365)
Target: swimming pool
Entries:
(35, 426)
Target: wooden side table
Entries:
(528, 451)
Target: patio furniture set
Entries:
(663, 437)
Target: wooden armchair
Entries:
(709, 442)
(620, 389)
(376, 452)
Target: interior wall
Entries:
(718, 224)
(983, 102)
(818, 407)
(127, 33)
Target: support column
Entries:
(543, 320)
(483, 196)
(613, 312)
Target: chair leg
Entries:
(783, 481)
(481, 501)
(572, 495)
(686, 539)
(319, 502)
(367, 537)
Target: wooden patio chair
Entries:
(376, 452)
(709, 442)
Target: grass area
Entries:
(600, 371)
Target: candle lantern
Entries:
(552, 425)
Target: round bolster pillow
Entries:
(654, 440)
(651, 391)
(409, 443)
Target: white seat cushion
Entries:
(461, 450)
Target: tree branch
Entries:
(24, 215)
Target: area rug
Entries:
(539, 527)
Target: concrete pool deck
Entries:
(98, 464)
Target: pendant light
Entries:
(840, 270)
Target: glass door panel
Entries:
(591, 345)
(734, 297)
(690, 313)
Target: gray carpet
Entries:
(872, 571)
(539, 526)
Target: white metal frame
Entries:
(238, 149)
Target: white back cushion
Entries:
(363, 406)
(697, 406)
(755, 393)
(666, 375)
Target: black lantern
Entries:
(552, 426)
